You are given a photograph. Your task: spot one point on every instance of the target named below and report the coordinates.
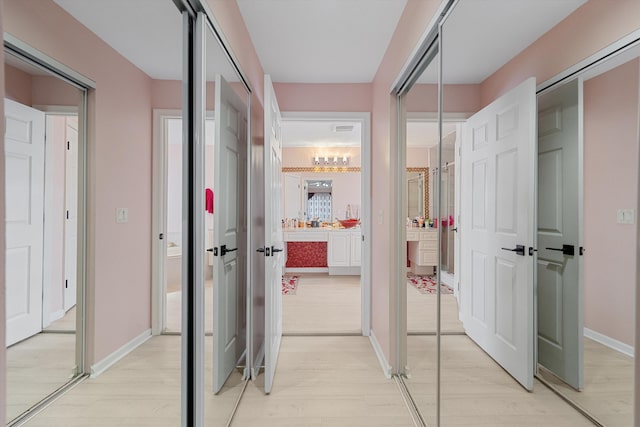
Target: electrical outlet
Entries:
(122, 215)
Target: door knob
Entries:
(566, 250)
(274, 250)
(519, 249)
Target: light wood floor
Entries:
(422, 310)
(36, 367)
(323, 304)
(608, 385)
(66, 323)
(478, 392)
(141, 390)
(320, 380)
(173, 314)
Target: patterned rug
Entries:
(289, 285)
(427, 284)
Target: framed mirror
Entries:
(417, 192)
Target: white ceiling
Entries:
(480, 36)
(321, 41)
(320, 133)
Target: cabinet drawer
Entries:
(413, 236)
(302, 236)
(428, 235)
(427, 244)
(428, 257)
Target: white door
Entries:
(228, 265)
(560, 297)
(71, 214)
(24, 175)
(456, 216)
(274, 241)
(498, 181)
(292, 196)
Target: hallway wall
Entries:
(610, 183)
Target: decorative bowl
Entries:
(349, 223)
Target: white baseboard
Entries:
(306, 270)
(110, 360)
(609, 342)
(386, 368)
(55, 315)
(258, 362)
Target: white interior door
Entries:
(498, 182)
(292, 196)
(274, 241)
(560, 297)
(228, 265)
(71, 217)
(24, 174)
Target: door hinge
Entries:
(67, 214)
(66, 283)
(68, 145)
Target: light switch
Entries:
(122, 215)
(626, 216)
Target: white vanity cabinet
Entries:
(423, 249)
(344, 252)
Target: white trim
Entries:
(433, 117)
(58, 110)
(612, 343)
(259, 362)
(159, 218)
(365, 210)
(306, 270)
(386, 367)
(100, 367)
(55, 315)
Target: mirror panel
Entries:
(45, 112)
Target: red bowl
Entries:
(349, 223)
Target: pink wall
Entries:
(592, 27)
(45, 88)
(417, 157)
(119, 259)
(411, 25)
(352, 97)
(3, 350)
(18, 85)
(457, 98)
(610, 183)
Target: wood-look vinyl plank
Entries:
(323, 304)
(36, 367)
(325, 381)
(142, 389)
(608, 385)
(421, 312)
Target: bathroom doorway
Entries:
(325, 173)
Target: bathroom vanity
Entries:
(336, 251)
(422, 249)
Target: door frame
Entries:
(65, 111)
(364, 118)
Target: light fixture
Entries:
(345, 160)
(316, 160)
(326, 160)
(335, 160)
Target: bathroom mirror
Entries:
(418, 192)
(318, 199)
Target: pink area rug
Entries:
(289, 285)
(427, 284)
